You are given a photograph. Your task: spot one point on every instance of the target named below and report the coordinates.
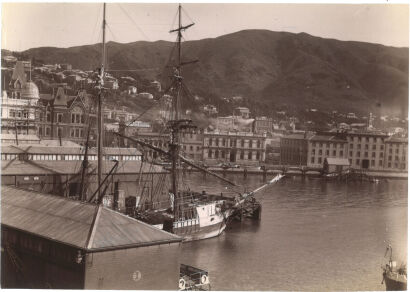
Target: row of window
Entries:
(233, 142)
(365, 139)
(191, 148)
(75, 157)
(76, 118)
(366, 146)
(18, 114)
(222, 154)
(327, 145)
(366, 154)
(327, 152)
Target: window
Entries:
(373, 163)
(313, 151)
(48, 117)
(257, 155)
(366, 154)
(334, 152)
(249, 155)
(389, 157)
(59, 132)
(366, 146)
(397, 150)
(48, 131)
(216, 154)
(242, 143)
(242, 155)
(210, 141)
(359, 146)
(389, 164)
(380, 162)
(59, 118)
(217, 141)
(319, 160)
(357, 161)
(312, 160)
(390, 151)
(351, 145)
(350, 153)
(341, 153)
(381, 154)
(320, 151)
(374, 147)
(209, 153)
(327, 152)
(191, 148)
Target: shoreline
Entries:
(253, 171)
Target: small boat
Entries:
(193, 279)
(394, 278)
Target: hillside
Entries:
(270, 69)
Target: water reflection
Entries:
(314, 235)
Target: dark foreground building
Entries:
(54, 242)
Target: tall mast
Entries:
(176, 124)
(99, 109)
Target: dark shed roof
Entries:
(72, 222)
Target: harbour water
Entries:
(313, 235)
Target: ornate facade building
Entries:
(19, 103)
(66, 117)
(236, 147)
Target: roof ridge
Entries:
(91, 234)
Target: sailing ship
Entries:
(193, 215)
(394, 277)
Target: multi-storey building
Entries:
(395, 157)
(19, 102)
(66, 117)
(325, 146)
(192, 144)
(366, 150)
(239, 147)
(294, 148)
(262, 125)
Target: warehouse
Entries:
(54, 242)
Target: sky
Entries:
(29, 25)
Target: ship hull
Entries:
(193, 233)
(394, 282)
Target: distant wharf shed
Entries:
(57, 170)
(331, 165)
(53, 242)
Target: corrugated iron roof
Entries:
(42, 167)
(71, 222)
(55, 149)
(337, 161)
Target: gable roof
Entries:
(19, 73)
(82, 225)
